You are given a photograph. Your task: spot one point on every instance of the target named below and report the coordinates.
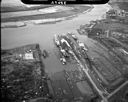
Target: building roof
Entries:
(28, 56)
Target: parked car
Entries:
(63, 60)
(73, 36)
(83, 46)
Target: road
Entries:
(85, 68)
(116, 90)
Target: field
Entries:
(21, 74)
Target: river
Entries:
(43, 34)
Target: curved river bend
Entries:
(43, 34)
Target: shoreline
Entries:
(40, 21)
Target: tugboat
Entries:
(45, 54)
(64, 52)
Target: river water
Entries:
(43, 34)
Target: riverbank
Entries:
(10, 38)
(17, 5)
(119, 5)
(22, 72)
(45, 18)
(6, 9)
(117, 23)
(111, 33)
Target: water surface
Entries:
(43, 34)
